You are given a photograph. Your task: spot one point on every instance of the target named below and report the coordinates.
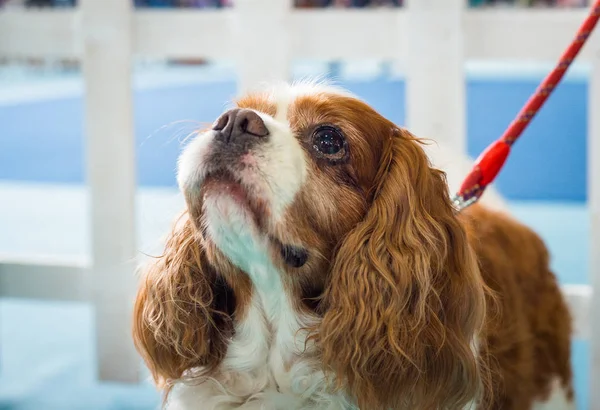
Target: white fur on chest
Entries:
(267, 364)
(269, 343)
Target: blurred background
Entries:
(58, 350)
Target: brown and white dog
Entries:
(320, 265)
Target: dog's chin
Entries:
(234, 200)
(231, 207)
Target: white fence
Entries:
(432, 39)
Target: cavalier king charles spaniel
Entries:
(320, 264)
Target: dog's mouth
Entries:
(224, 182)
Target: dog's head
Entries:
(346, 207)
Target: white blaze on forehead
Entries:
(282, 162)
(284, 94)
(283, 97)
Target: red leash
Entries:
(490, 162)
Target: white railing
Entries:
(431, 39)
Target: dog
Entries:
(320, 264)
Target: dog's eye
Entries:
(329, 142)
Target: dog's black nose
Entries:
(238, 124)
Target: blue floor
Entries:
(47, 362)
(46, 349)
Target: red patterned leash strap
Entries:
(490, 162)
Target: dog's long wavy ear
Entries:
(405, 299)
(183, 310)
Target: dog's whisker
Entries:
(185, 126)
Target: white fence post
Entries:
(594, 206)
(110, 145)
(435, 80)
(262, 42)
